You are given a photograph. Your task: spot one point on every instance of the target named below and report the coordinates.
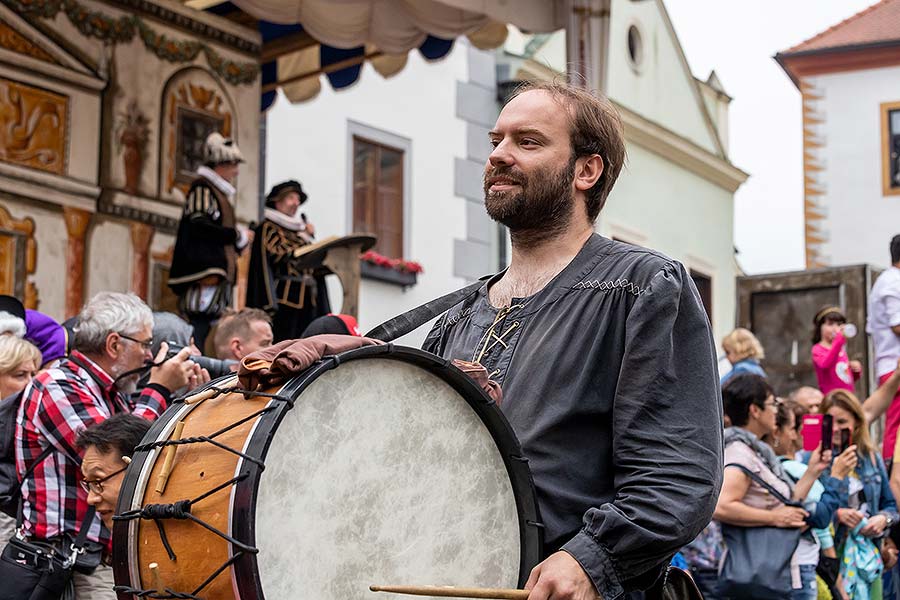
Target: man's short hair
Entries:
(594, 128)
(237, 325)
(804, 390)
(120, 433)
(895, 249)
(109, 312)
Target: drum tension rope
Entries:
(182, 509)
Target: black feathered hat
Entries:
(283, 188)
(13, 306)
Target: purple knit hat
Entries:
(49, 336)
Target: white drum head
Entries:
(383, 474)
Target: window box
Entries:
(387, 274)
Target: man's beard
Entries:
(540, 211)
(127, 385)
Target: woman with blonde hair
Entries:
(744, 352)
(19, 361)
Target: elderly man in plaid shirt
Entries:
(111, 343)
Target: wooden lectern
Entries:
(340, 256)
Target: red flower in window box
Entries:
(397, 264)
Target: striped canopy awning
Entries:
(304, 40)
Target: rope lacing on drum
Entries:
(182, 509)
(170, 594)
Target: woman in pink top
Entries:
(834, 369)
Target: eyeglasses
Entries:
(145, 344)
(96, 485)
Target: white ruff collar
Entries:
(294, 223)
(217, 180)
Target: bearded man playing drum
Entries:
(603, 350)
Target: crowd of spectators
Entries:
(808, 504)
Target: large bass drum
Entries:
(384, 465)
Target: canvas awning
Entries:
(306, 39)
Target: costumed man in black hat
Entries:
(293, 295)
(209, 239)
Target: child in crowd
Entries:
(744, 352)
(834, 369)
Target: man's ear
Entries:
(235, 345)
(588, 170)
(113, 346)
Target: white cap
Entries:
(219, 149)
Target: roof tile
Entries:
(878, 23)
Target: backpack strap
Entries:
(20, 512)
(81, 538)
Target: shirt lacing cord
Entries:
(491, 339)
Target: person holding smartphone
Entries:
(866, 493)
(750, 402)
(823, 499)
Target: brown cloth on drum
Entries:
(275, 364)
(479, 375)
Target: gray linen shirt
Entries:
(609, 381)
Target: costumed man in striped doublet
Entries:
(292, 294)
(209, 239)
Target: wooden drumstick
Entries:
(211, 392)
(163, 478)
(453, 592)
(155, 581)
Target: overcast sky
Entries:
(738, 39)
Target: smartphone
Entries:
(846, 439)
(827, 432)
(811, 430)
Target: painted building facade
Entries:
(849, 82)
(103, 110)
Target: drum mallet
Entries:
(453, 592)
(163, 478)
(211, 392)
(155, 581)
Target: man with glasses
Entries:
(107, 448)
(110, 351)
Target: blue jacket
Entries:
(823, 500)
(748, 365)
(876, 488)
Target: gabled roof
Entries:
(880, 23)
(868, 40)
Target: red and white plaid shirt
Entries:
(57, 405)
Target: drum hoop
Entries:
(124, 533)
(245, 574)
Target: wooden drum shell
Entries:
(200, 467)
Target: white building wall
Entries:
(660, 88)
(660, 205)
(860, 220)
(310, 142)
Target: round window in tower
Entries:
(635, 47)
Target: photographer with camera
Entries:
(178, 334)
(111, 348)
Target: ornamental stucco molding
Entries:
(673, 147)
